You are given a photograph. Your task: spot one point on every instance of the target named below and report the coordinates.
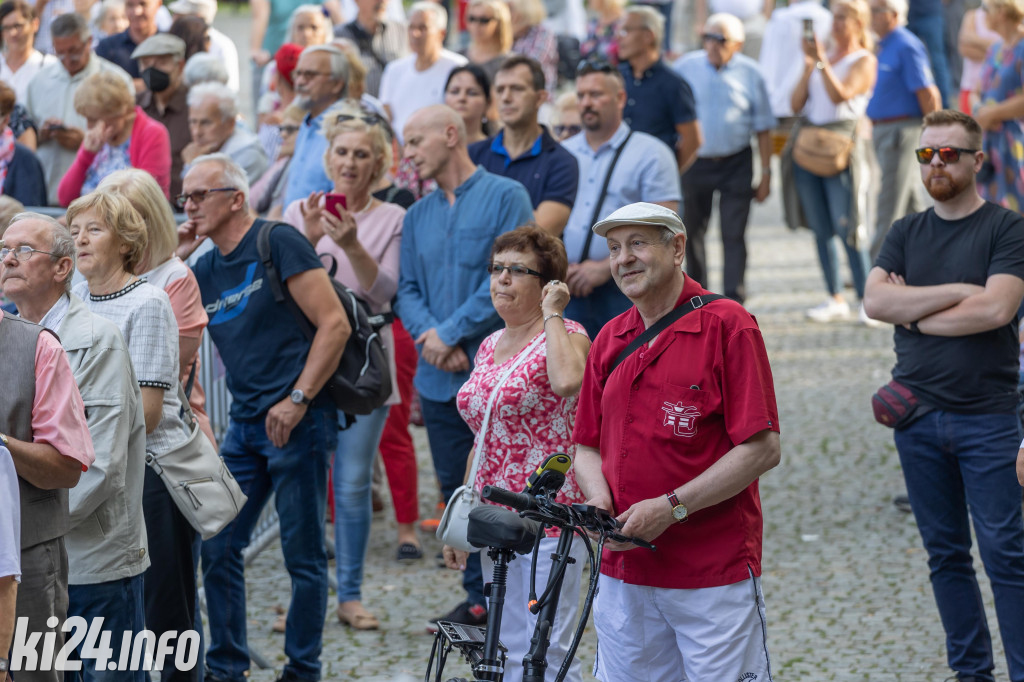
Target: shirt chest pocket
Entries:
(683, 415)
(473, 249)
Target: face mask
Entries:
(156, 80)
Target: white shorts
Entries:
(517, 623)
(654, 634)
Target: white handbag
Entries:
(454, 525)
(197, 478)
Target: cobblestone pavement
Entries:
(845, 578)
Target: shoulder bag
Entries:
(822, 150)
(585, 255)
(454, 524)
(197, 478)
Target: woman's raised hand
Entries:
(554, 297)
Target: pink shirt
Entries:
(58, 413)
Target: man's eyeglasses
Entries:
(594, 65)
(308, 74)
(567, 130)
(515, 270)
(21, 253)
(198, 196)
(946, 154)
(714, 38)
(287, 129)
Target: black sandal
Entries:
(409, 552)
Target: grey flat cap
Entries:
(159, 45)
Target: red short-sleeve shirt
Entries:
(668, 413)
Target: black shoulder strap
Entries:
(600, 199)
(659, 326)
(279, 291)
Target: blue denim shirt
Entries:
(306, 173)
(443, 282)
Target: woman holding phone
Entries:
(363, 234)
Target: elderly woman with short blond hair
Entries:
(490, 34)
(110, 242)
(118, 135)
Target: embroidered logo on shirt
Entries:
(682, 419)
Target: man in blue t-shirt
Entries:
(524, 149)
(904, 93)
(282, 426)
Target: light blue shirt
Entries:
(306, 173)
(10, 518)
(646, 171)
(443, 281)
(732, 102)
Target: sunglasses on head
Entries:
(714, 37)
(594, 65)
(946, 154)
(370, 118)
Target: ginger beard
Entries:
(942, 186)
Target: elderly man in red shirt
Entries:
(682, 427)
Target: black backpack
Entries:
(362, 381)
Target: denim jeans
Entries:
(353, 503)
(954, 464)
(297, 475)
(826, 205)
(120, 604)
(450, 443)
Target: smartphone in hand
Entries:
(809, 30)
(332, 201)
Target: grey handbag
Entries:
(197, 478)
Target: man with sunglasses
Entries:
(951, 279)
(732, 106)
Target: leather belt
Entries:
(894, 119)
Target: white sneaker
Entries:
(863, 318)
(829, 310)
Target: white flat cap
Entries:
(641, 213)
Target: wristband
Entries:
(914, 329)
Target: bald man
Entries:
(444, 293)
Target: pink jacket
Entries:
(149, 150)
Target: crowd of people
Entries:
(520, 194)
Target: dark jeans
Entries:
(731, 177)
(594, 311)
(954, 464)
(120, 604)
(170, 580)
(297, 475)
(450, 443)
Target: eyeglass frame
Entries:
(182, 199)
(497, 269)
(560, 128)
(25, 249)
(719, 38)
(938, 150)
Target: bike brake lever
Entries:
(636, 541)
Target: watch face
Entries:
(679, 512)
(297, 396)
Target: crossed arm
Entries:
(953, 309)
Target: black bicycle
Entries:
(505, 534)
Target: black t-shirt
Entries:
(975, 374)
(262, 347)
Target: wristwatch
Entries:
(299, 398)
(678, 508)
(6, 442)
(5, 665)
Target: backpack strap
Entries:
(659, 326)
(277, 286)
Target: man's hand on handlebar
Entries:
(454, 559)
(646, 520)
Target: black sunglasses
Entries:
(594, 65)
(946, 154)
(496, 269)
(714, 37)
(199, 195)
(567, 130)
(479, 20)
(370, 118)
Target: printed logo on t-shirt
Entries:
(682, 419)
(232, 302)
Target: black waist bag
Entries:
(362, 381)
(896, 407)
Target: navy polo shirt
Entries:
(657, 102)
(547, 171)
(903, 69)
(118, 48)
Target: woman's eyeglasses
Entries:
(479, 20)
(567, 130)
(946, 154)
(495, 269)
(287, 129)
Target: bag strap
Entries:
(277, 288)
(478, 443)
(585, 255)
(659, 326)
(188, 390)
